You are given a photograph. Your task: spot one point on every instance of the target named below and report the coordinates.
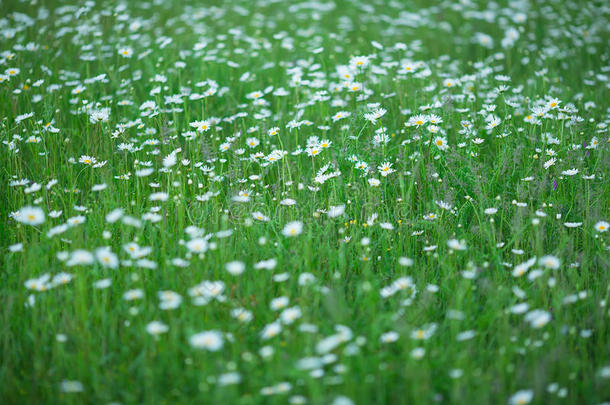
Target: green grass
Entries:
(353, 339)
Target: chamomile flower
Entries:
(424, 333)
(441, 143)
(293, 228)
(602, 226)
(538, 318)
(550, 262)
(156, 328)
(259, 216)
(71, 386)
(252, 142)
(523, 397)
(385, 169)
(389, 337)
(279, 303)
(201, 126)
(417, 120)
(340, 115)
(570, 172)
(289, 315)
(455, 244)
(235, 268)
(30, 215)
(335, 211)
(271, 330)
(197, 245)
(359, 62)
(126, 52)
(208, 340)
(242, 315)
(106, 258)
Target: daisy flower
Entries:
(126, 52)
(201, 126)
(259, 216)
(156, 328)
(235, 268)
(197, 245)
(441, 143)
(385, 169)
(208, 340)
(30, 215)
(389, 337)
(293, 228)
(522, 397)
(602, 226)
(550, 262)
(106, 258)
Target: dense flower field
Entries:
(304, 202)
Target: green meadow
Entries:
(304, 202)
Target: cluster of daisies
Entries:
(320, 202)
